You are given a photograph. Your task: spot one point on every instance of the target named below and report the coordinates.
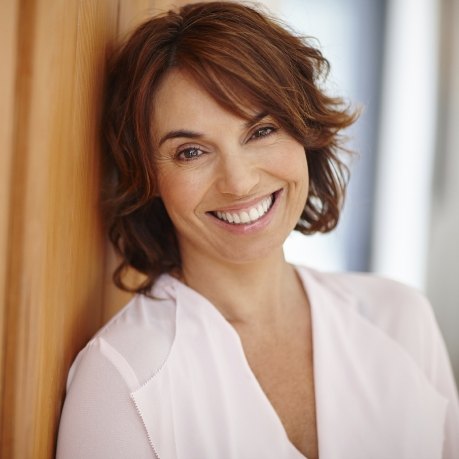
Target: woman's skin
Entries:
(210, 160)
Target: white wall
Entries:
(407, 140)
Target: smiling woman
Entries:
(218, 170)
(219, 143)
(251, 66)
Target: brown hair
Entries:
(243, 59)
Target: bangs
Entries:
(241, 71)
(229, 91)
(242, 95)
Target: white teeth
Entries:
(253, 214)
(246, 216)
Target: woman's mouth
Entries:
(248, 215)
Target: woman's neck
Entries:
(260, 292)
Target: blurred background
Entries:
(396, 59)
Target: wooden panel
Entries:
(164, 5)
(55, 268)
(132, 13)
(8, 34)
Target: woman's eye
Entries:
(188, 154)
(263, 132)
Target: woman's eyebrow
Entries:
(196, 135)
(255, 119)
(179, 133)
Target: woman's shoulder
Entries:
(401, 312)
(374, 295)
(137, 340)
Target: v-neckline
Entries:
(367, 384)
(215, 312)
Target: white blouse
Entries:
(168, 378)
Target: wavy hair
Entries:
(243, 58)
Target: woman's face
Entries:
(234, 189)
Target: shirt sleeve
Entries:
(99, 419)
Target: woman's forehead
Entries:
(181, 97)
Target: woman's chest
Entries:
(284, 371)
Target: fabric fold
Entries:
(372, 400)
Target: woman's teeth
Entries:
(246, 216)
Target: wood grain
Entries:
(53, 276)
(8, 53)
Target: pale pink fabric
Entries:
(168, 378)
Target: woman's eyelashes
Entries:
(189, 153)
(262, 131)
(193, 152)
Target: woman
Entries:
(222, 142)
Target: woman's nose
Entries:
(237, 174)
